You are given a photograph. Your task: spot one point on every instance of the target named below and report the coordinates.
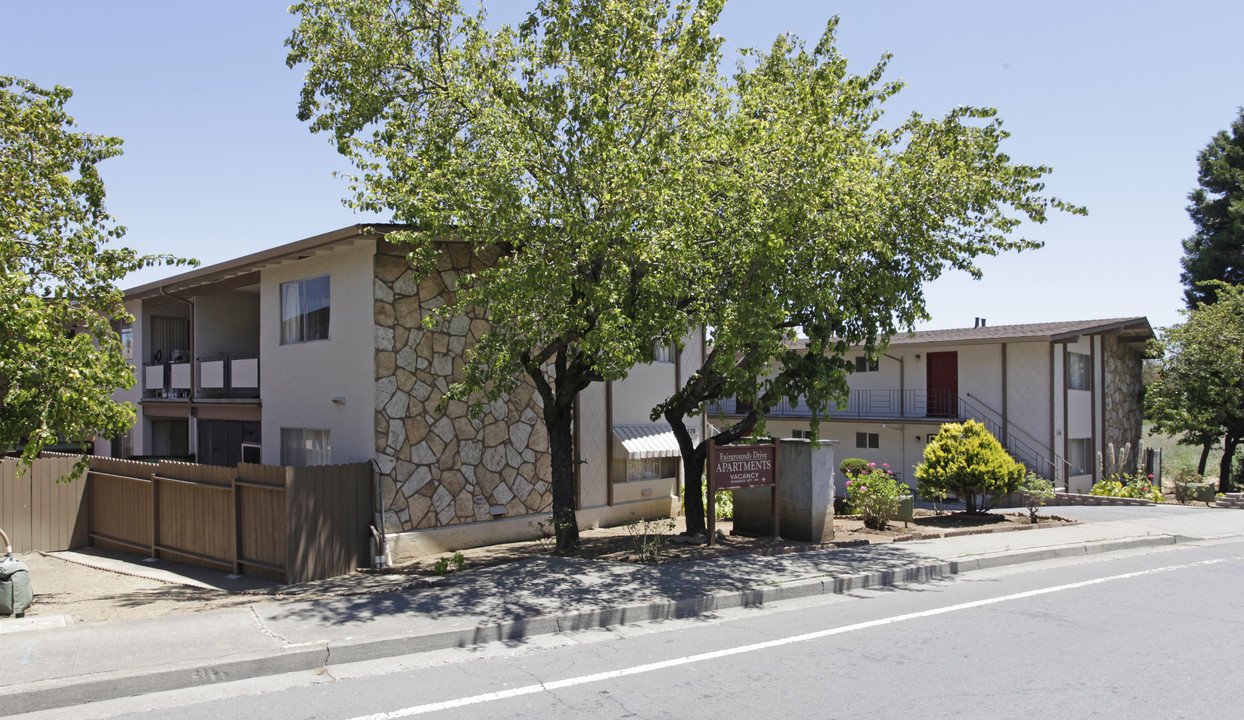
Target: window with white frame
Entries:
(866, 364)
(801, 434)
(305, 446)
(663, 354)
(1079, 371)
(867, 440)
(304, 310)
(1080, 456)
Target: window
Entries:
(304, 310)
(651, 468)
(663, 354)
(801, 434)
(302, 446)
(867, 440)
(866, 364)
(1078, 371)
(1080, 456)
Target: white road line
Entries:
(702, 657)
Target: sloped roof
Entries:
(1130, 330)
(240, 271)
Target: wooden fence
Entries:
(282, 523)
(37, 510)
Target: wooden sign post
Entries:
(731, 467)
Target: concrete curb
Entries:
(62, 692)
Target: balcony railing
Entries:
(881, 404)
(167, 380)
(228, 377)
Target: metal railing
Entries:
(226, 376)
(167, 380)
(876, 404)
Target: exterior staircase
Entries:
(1231, 500)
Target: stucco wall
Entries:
(299, 381)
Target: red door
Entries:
(942, 381)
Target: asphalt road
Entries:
(1146, 634)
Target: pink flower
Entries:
(886, 465)
(872, 465)
(1151, 476)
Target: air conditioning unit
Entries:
(251, 453)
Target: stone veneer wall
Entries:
(440, 469)
(1121, 400)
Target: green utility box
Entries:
(15, 591)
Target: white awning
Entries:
(649, 441)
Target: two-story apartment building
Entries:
(1055, 394)
(315, 352)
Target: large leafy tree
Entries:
(570, 148)
(59, 358)
(1199, 390)
(632, 193)
(831, 226)
(1215, 251)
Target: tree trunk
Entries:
(1200, 468)
(558, 418)
(693, 492)
(1229, 445)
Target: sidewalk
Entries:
(62, 666)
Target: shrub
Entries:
(648, 537)
(447, 565)
(875, 495)
(1037, 492)
(968, 461)
(850, 467)
(1189, 486)
(723, 502)
(1133, 488)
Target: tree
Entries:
(967, 461)
(59, 358)
(1199, 392)
(569, 148)
(631, 193)
(1215, 251)
(832, 227)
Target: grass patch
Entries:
(1176, 457)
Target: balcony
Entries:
(167, 381)
(871, 404)
(227, 378)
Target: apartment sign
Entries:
(743, 466)
(733, 467)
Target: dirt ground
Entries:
(91, 594)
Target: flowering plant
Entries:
(875, 494)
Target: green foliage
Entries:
(1215, 251)
(1190, 486)
(60, 360)
(649, 538)
(621, 192)
(451, 564)
(851, 467)
(1133, 488)
(966, 460)
(1037, 492)
(875, 495)
(1199, 393)
(544, 532)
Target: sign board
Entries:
(736, 466)
(731, 467)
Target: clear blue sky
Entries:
(1117, 97)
